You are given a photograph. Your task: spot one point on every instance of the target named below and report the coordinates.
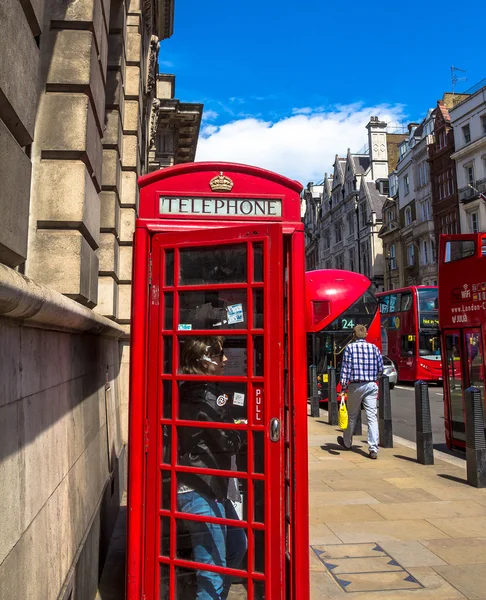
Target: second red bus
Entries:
(410, 332)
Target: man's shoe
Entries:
(373, 455)
(340, 441)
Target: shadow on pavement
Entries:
(409, 458)
(453, 478)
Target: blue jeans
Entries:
(366, 393)
(219, 545)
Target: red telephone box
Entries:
(218, 492)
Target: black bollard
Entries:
(384, 412)
(314, 399)
(358, 427)
(423, 420)
(475, 438)
(332, 406)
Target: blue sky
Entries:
(287, 85)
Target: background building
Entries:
(77, 89)
(468, 120)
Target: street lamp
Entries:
(356, 208)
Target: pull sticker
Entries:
(238, 399)
(258, 417)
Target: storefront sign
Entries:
(240, 207)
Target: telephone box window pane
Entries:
(258, 355)
(213, 355)
(169, 267)
(164, 536)
(259, 551)
(187, 585)
(214, 264)
(219, 309)
(211, 448)
(164, 580)
(168, 310)
(166, 444)
(167, 399)
(228, 399)
(258, 501)
(211, 543)
(258, 262)
(165, 485)
(259, 590)
(258, 451)
(167, 361)
(258, 309)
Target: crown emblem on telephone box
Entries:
(221, 183)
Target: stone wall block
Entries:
(124, 301)
(117, 16)
(127, 225)
(132, 82)
(19, 62)
(134, 6)
(66, 198)
(111, 170)
(125, 269)
(129, 189)
(130, 156)
(34, 12)
(134, 43)
(74, 64)
(66, 124)
(110, 212)
(9, 351)
(10, 525)
(107, 297)
(116, 50)
(113, 132)
(109, 254)
(131, 117)
(134, 22)
(15, 175)
(66, 262)
(115, 97)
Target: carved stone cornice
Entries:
(152, 67)
(154, 121)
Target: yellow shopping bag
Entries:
(343, 414)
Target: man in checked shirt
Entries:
(362, 365)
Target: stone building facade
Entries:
(468, 120)
(78, 83)
(345, 214)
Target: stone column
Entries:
(67, 153)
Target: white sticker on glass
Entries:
(239, 399)
(184, 326)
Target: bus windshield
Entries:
(331, 341)
(429, 340)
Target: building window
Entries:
(408, 216)
(406, 184)
(328, 264)
(469, 173)
(425, 252)
(363, 213)
(434, 259)
(327, 239)
(351, 259)
(350, 218)
(340, 261)
(393, 181)
(410, 255)
(466, 132)
(483, 124)
(338, 232)
(393, 260)
(474, 222)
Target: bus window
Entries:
(408, 345)
(384, 304)
(406, 301)
(394, 305)
(483, 247)
(459, 249)
(429, 344)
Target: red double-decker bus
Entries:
(462, 317)
(336, 301)
(410, 332)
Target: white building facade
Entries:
(468, 119)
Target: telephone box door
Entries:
(214, 478)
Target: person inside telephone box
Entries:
(210, 448)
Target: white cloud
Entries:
(301, 146)
(209, 115)
(166, 63)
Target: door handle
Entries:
(274, 430)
